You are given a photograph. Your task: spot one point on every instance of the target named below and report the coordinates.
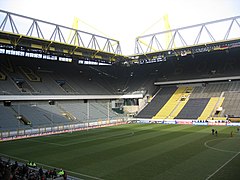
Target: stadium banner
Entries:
(21, 132)
(67, 127)
(93, 124)
(28, 131)
(233, 124)
(13, 133)
(35, 131)
(169, 122)
(55, 128)
(184, 122)
(76, 126)
(217, 123)
(114, 121)
(42, 130)
(142, 121)
(145, 121)
(200, 123)
(158, 122)
(5, 134)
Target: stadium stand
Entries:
(59, 89)
(78, 109)
(193, 108)
(72, 78)
(157, 102)
(17, 115)
(202, 101)
(38, 118)
(51, 112)
(174, 104)
(210, 107)
(181, 102)
(55, 78)
(8, 119)
(62, 78)
(26, 115)
(30, 74)
(231, 103)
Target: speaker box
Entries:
(7, 103)
(51, 102)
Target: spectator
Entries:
(54, 173)
(7, 172)
(65, 175)
(10, 170)
(61, 172)
(40, 171)
(15, 165)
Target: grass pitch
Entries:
(136, 151)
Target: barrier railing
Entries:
(58, 129)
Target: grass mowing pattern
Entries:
(136, 151)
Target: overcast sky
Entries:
(124, 20)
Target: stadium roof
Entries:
(22, 33)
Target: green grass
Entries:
(136, 151)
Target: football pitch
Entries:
(136, 151)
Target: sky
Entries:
(126, 19)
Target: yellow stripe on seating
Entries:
(178, 109)
(207, 112)
(174, 104)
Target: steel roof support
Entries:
(179, 40)
(96, 42)
(38, 29)
(12, 24)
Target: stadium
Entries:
(72, 106)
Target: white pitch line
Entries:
(52, 167)
(217, 149)
(89, 140)
(222, 166)
(78, 142)
(56, 144)
(86, 140)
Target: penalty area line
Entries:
(222, 166)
